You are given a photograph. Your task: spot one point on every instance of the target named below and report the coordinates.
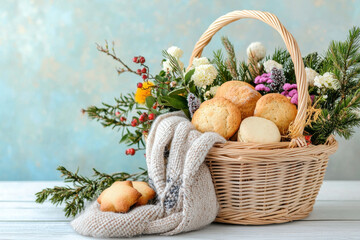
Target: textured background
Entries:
(50, 69)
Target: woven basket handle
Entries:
(297, 128)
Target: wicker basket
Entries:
(267, 183)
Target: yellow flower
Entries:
(142, 93)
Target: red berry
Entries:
(134, 122)
(130, 151)
(141, 59)
(138, 71)
(117, 113)
(154, 107)
(123, 119)
(151, 116)
(143, 117)
(145, 132)
(143, 70)
(135, 59)
(144, 77)
(139, 85)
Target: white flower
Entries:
(167, 67)
(270, 64)
(200, 61)
(327, 80)
(310, 75)
(204, 75)
(213, 90)
(256, 50)
(175, 52)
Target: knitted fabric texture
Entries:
(186, 197)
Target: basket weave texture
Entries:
(267, 183)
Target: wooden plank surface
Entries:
(296, 230)
(336, 215)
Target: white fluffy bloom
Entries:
(204, 75)
(167, 67)
(310, 75)
(175, 52)
(213, 90)
(200, 61)
(256, 50)
(327, 80)
(270, 64)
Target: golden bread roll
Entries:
(278, 109)
(217, 115)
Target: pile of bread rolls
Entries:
(240, 112)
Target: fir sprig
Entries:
(83, 189)
(125, 105)
(224, 74)
(339, 108)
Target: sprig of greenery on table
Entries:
(83, 189)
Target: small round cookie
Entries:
(278, 109)
(258, 130)
(242, 94)
(217, 115)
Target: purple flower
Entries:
(285, 93)
(292, 93)
(294, 99)
(287, 87)
(312, 98)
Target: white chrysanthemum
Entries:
(175, 52)
(204, 75)
(200, 61)
(310, 75)
(270, 64)
(327, 80)
(167, 66)
(256, 50)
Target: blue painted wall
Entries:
(50, 69)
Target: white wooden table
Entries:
(336, 215)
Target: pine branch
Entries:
(224, 74)
(83, 189)
(174, 64)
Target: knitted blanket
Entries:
(186, 197)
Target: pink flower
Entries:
(294, 99)
(285, 93)
(292, 92)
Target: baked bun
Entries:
(258, 130)
(242, 94)
(217, 115)
(278, 109)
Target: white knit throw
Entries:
(186, 197)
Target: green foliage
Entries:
(340, 107)
(125, 105)
(223, 73)
(283, 57)
(83, 189)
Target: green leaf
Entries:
(160, 78)
(150, 101)
(188, 76)
(177, 102)
(177, 91)
(192, 88)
